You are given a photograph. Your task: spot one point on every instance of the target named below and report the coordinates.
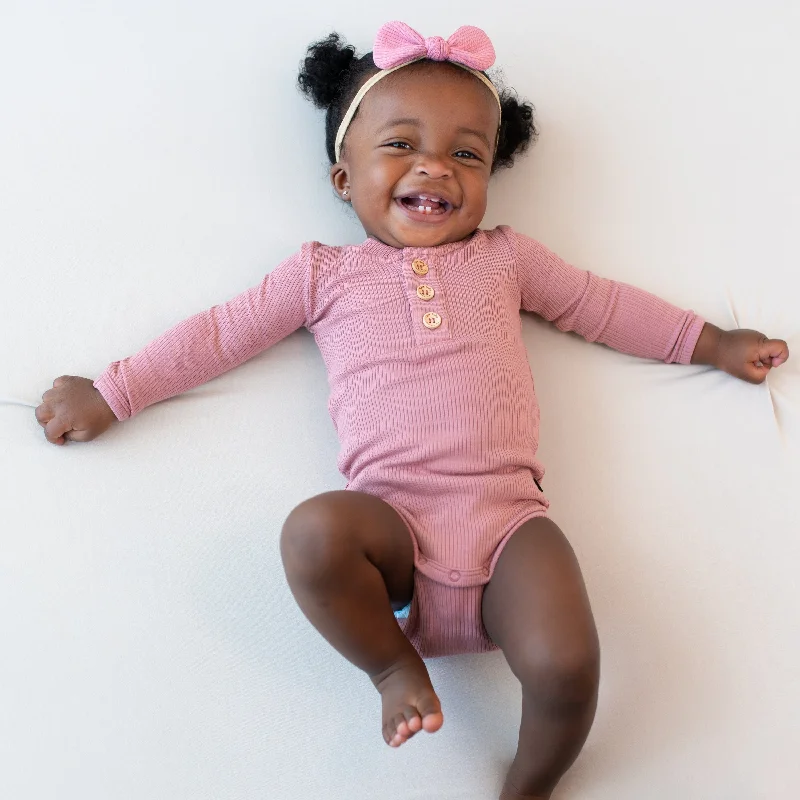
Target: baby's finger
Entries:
(755, 372)
(43, 414)
(55, 429)
(75, 435)
(773, 352)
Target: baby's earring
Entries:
(344, 193)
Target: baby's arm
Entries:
(191, 353)
(632, 320)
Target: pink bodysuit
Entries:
(431, 393)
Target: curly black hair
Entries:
(330, 76)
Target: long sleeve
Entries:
(212, 342)
(615, 314)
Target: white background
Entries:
(155, 159)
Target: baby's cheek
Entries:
(477, 212)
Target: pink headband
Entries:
(397, 45)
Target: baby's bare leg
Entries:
(536, 609)
(349, 559)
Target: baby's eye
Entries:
(465, 154)
(398, 145)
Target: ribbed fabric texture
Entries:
(441, 422)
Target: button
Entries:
(419, 266)
(455, 576)
(425, 292)
(431, 320)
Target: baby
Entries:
(443, 521)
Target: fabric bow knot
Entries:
(396, 43)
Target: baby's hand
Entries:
(73, 409)
(749, 355)
(745, 354)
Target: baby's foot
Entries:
(409, 703)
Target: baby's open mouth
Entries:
(426, 204)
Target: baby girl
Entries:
(441, 542)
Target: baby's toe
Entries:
(413, 720)
(431, 712)
(397, 730)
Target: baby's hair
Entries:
(330, 76)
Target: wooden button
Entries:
(425, 292)
(431, 320)
(419, 266)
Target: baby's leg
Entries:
(536, 609)
(349, 559)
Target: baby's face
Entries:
(423, 137)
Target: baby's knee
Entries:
(561, 677)
(315, 537)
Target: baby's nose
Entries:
(432, 165)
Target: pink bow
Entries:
(396, 43)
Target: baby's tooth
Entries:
(427, 209)
(421, 209)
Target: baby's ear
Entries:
(340, 180)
